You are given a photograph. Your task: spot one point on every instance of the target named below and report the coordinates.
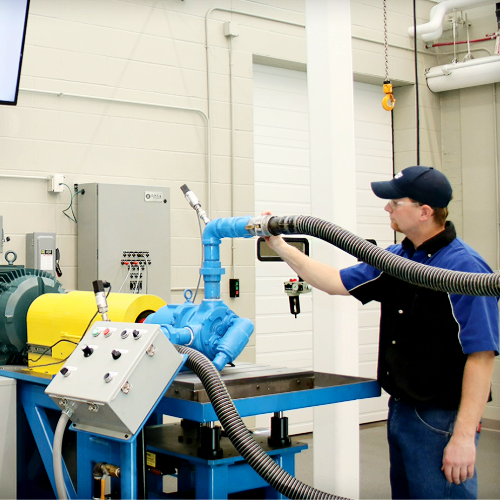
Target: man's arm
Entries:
(460, 454)
(319, 275)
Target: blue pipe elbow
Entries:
(230, 227)
(227, 227)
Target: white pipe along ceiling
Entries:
(434, 28)
(456, 75)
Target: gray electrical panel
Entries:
(124, 238)
(41, 251)
(115, 376)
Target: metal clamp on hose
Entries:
(270, 225)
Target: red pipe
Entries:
(489, 37)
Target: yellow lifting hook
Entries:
(388, 106)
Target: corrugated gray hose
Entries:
(240, 436)
(435, 278)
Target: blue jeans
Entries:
(417, 438)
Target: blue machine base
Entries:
(175, 447)
(37, 417)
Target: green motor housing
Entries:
(19, 287)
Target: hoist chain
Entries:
(385, 42)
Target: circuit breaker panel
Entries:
(124, 238)
(115, 376)
(41, 251)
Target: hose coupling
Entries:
(271, 225)
(259, 225)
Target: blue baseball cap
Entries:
(423, 184)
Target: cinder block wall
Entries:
(140, 52)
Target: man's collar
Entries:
(434, 244)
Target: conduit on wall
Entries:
(208, 146)
(231, 102)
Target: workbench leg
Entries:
(40, 426)
(286, 462)
(128, 461)
(211, 482)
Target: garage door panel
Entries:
(284, 191)
(284, 142)
(284, 341)
(289, 359)
(276, 173)
(274, 117)
(369, 335)
(284, 323)
(280, 156)
(265, 130)
(279, 100)
(282, 184)
(274, 304)
(283, 207)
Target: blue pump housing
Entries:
(211, 327)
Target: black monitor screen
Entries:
(13, 20)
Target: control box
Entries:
(115, 377)
(41, 251)
(124, 238)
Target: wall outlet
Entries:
(55, 184)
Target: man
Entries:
(436, 350)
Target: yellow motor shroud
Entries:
(56, 323)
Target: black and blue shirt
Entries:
(426, 335)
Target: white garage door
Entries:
(282, 184)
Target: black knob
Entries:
(64, 371)
(87, 351)
(116, 354)
(137, 334)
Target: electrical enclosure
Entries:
(115, 376)
(41, 251)
(119, 225)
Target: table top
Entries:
(255, 390)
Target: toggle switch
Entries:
(87, 351)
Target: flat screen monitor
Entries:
(13, 21)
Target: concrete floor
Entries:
(374, 467)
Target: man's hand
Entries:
(459, 458)
(274, 242)
(316, 273)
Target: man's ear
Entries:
(426, 212)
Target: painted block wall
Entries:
(146, 53)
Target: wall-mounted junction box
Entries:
(41, 251)
(115, 376)
(119, 225)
